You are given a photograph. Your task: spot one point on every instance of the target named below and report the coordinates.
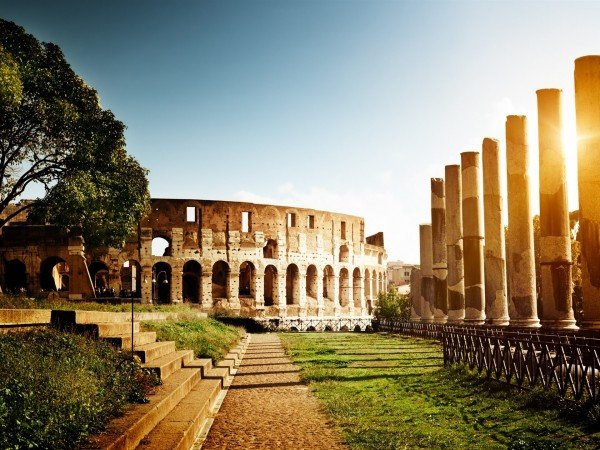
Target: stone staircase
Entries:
(178, 408)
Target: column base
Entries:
(499, 322)
(525, 323)
(478, 321)
(440, 320)
(590, 324)
(426, 319)
(565, 324)
(415, 319)
(456, 316)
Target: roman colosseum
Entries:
(231, 257)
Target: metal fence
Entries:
(566, 361)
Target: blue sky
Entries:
(349, 106)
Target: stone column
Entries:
(320, 301)
(415, 295)
(522, 305)
(438, 241)
(427, 292)
(302, 300)
(587, 106)
(555, 231)
(496, 305)
(146, 284)
(259, 291)
(472, 210)
(336, 294)
(454, 247)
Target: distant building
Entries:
(398, 273)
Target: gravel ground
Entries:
(268, 407)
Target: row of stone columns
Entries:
(467, 274)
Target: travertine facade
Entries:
(239, 258)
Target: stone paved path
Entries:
(267, 406)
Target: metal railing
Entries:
(566, 361)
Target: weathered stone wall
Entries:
(240, 258)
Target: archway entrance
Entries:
(15, 276)
(161, 283)
(270, 285)
(192, 272)
(54, 274)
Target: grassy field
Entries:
(391, 392)
(207, 337)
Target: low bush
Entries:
(393, 305)
(208, 338)
(57, 388)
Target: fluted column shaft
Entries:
(496, 305)
(454, 248)
(555, 232)
(587, 106)
(522, 305)
(438, 237)
(472, 209)
(427, 292)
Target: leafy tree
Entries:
(393, 305)
(53, 131)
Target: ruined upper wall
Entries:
(226, 216)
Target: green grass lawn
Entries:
(392, 392)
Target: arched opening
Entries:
(311, 282)
(51, 274)
(292, 278)
(344, 253)
(220, 280)
(270, 285)
(367, 283)
(99, 275)
(344, 287)
(131, 279)
(356, 287)
(15, 276)
(161, 283)
(190, 281)
(270, 249)
(161, 247)
(247, 282)
(328, 283)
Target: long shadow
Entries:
(266, 373)
(392, 367)
(267, 385)
(369, 377)
(382, 353)
(266, 357)
(267, 364)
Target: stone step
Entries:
(168, 364)
(218, 373)
(64, 317)
(126, 432)
(124, 341)
(154, 350)
(226, 364)
(204, 364)
(113, 328)
(179, 428)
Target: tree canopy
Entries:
(54, 131)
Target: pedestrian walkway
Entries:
(268, 407)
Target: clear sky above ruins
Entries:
(341, 105)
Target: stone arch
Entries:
(344, 254)
(15, 276)
(311, 281)
(191, 289)
(270, 250)
(247, 280)
(292, 285)
(100, 277)
(356, 287)
(52, 271)
(367, 283)
(344, 294)
(161, 282)
(328, 283)
(220, 280)
(131, 278)
(161, 246)
(270, 285)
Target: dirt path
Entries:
(267, 406)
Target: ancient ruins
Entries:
(493, 283)
(231, 257)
